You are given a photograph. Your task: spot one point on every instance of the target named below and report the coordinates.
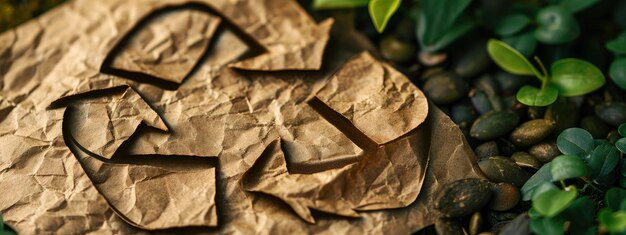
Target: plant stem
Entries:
(544, 72)
(591, 185)
(563, 184)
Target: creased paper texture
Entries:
(213, 116)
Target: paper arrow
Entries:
(104, 123)
(390, 176)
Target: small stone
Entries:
(463, 197)
(473, 61)
(532, 132)
(505, 196)
(524, 159)
(501, 169)
(510, 83)
(613, 113)
(396, 50)
(545, 151)
(487, 149)
(475, 224)
(445, 88)
(447, 227)
(595, 126)
(432, 59)
(563, 113)
(481, 101)
(463, 114)
(494, 124)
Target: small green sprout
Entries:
(568, 77)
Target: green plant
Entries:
(617, 70)
(380, 10)
(585, 161)
(525, 24)
(440, 23)
(568, 77)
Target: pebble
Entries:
(501, 169)
(532, 132)
(396, 50)
(463, 197)
(613, 113)
(494, 124)
(505, 196)
(445, 88)
(544, 151)
(486, 150)
(524, 159)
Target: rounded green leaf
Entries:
(338, 4)
(622, 129)
(511, 24)
(510, 59)
(541, 176)
(577, 5)
(614, 222)
(604, 159)
(542, 188)
(524, 43)
(618, 45)
(381, 11)
(575, 141)
(617, 72)
(621, 145)
(576, 77)
(533, 96)
(551, 203)
(548, 226)
(615, 198)
(567, 167)
(556, 25)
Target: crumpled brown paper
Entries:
(245, 109)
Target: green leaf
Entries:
(576, 77)
(547, 226)
(436, 19)
(524, 43)
(621, 145)
(381, 11)
(617, 45)
(575, 141)
(615, 198)
(338, 4)
(622, 129)
(511, 24)
(551, 203)
(604, 159)
(1, 223)
(533, 96)
(556, 26)
(614, 222)
(577, 5)
(509, 59)
(542, 188)
(567, 167)
(541, 176)
(580, 212)
(457, 30)
(617, 72)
